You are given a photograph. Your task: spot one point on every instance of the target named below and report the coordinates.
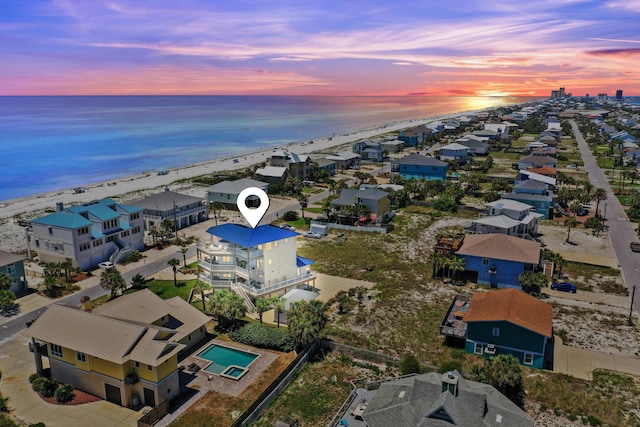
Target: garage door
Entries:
(112, 394)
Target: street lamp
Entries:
(633, 294)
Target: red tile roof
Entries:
(544, 170)
(513, 306)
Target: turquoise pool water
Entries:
(234, 371)
(222, 358)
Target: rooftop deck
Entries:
(453, 324)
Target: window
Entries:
(485, 261)
(149, 368)
(477, 349)
(267, 246)
(81, 356)
(50, 230)
(137, 364)
(56, 350)
(85, 246)
(11, 268)
(528, 359)
(189, 337)
(495, 332)
(269, 261)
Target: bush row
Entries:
(261, 336)
(49, 388)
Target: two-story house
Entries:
(420, 167)
(298, 165)
(88, 234)
(344, 159)
(508, 321)
(497, 259)
(126, 350)
(508, 217)
(369, 150)
(537, 161)
(534, 193)
(13, 266)
(456, 152)
(183, 210)
(255, 262)
(226, 192)
(377, 200)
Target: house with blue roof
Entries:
(535, 193)
(88, 234)
(254, 262)
(420, 167)
(369, 150)
(456, 152)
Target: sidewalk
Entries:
(581, 363)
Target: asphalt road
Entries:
(621, 231)
(17, 325)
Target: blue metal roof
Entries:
(302, 261)
(63, 219)
(101, 209)
(247, 236)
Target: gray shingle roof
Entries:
(165, 201)
(420, 401)
(419, 159)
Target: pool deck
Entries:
(202, 381)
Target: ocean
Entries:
(58, 142)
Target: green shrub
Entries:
(45, 386)
(34, 377)
(290, 216)
(38, 425)
(409, 365)
(450, 365)
(64, 393)
(262, 336)
(4, 407)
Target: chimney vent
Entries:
(59, 207)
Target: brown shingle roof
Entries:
(544, 170)
(512, 306)
(501, 246)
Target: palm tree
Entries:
(234, 308)
(303, 199)
(174, 263)
(569, 223)
(112, 280)
(278, 306)
(216, 303)
(599, 195)
(305, 321)
(361, 291)
(457, 264)
(216, 208)
(155, 233)
(201, 286)
(5, 281)
(435, 259)
(262, 305)
(183, 250)
(67, 265)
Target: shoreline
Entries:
(150, 180)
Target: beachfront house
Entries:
(375, 199)
(226, 192)
(298, 165)
(13, 266)
(324, 165)
(181, 209)
(125, 351)
(392, 145)
(88, 234)
(476, 145)
(454, 152)
(345, 160)
(497, 259)
(509, 321)
(255, 262)
(273, 174)
(420, 167)
(508, 217)
(436, 399)
(368, 150)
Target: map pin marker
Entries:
(253, 215)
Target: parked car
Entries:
(564, 287)
(313, 235)
(635, 246)
(106, 265)
(583, 212)
(288, 227)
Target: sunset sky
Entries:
(347, 47)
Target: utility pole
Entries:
(633, 294)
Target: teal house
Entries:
(508, 321)
(13, 266)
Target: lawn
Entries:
(165, 289)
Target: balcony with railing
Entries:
(255, 288)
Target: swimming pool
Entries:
(226, 361)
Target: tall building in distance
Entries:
(559, 93)
(562, 94)
(619, 94)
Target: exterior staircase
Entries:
(251, 308)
